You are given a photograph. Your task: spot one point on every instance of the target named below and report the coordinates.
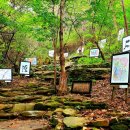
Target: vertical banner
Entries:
(121, 34)
(25, 68)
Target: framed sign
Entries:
(25, 68)
(6, 74)
(51, 53)
(126, 44)
(82, 87)
(94, 52)
(33, 61)
(120, 68)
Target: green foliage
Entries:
(36, 25)
(90, 61)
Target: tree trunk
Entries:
(54, 45)
(63, 76)
(125, 19)
(102, 54)
(54, 40)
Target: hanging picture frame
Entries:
(25, 67)
(120, 68)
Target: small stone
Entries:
(100, 123)
(69, 112)
(33, 113)
(74, 122)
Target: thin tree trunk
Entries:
(63, 76)
(102, 54)
(54, 45)
(54, 39)
(125, 19)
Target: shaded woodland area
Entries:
(59, 56)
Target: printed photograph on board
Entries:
(120, 68)
(6, 74)
(25, 68)
(94, 52)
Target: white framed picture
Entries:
(94, 52)
(25, 68)
(126, 44)
(51, 53)
(120, 68)
(6, 74)
(33, 61)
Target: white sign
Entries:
(102, 43)
(123, 86)
(120, 34)
(126, 44)
(66, 55)
(51, 53)
(33, 61)
(80, 49)
(25, 68)
(6, 74)
(94, 52)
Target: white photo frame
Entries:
(25, 68)
(94, 52)
(6, 74)
(120, 68)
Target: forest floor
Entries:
(101, 92)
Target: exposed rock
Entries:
(23, 107)
(69, 112)
(119, 127)
(7, 115)
(33, 113)
(59, 126)
(100, 123)
(74, 122)
(58, 110)
(48, 105)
